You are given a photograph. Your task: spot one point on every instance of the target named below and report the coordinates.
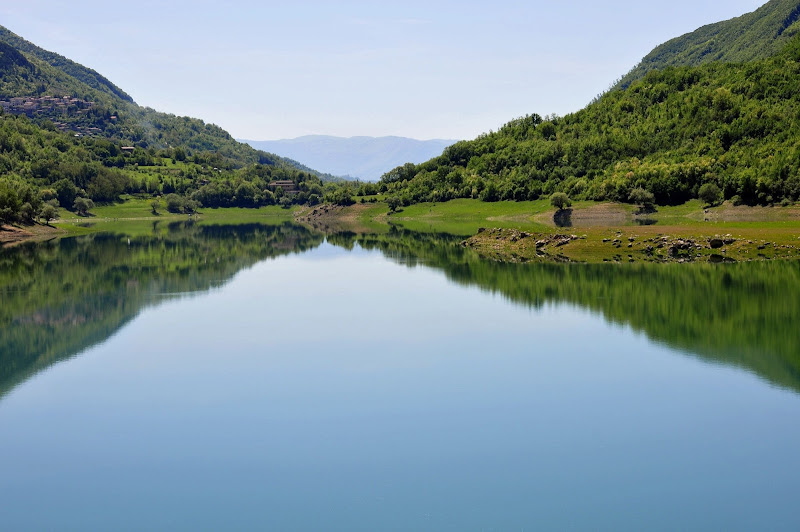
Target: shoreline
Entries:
(630, 245)
(505, 231)
(11, 235)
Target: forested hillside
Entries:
(85, 75)
(42, 166)
(51, 89)
(734, 125)
(68, 133)
(756, 35)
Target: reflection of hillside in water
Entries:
(63, 296)
(737, 314)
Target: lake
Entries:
(194, 377)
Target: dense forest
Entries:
(735, 125)
(42, 168)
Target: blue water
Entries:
(341, 390)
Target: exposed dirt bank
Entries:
(12, 234)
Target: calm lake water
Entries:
(271, 377)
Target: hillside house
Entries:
(288, 186)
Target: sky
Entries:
(268, 70)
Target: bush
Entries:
(190, 206)
(49, 212)
(642, 197)
(560, 201)
(27, 212)
(66, 192)
(710, 193)
(82, 206)
(393, 202)
(174, 203)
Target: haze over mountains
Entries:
(365, 158)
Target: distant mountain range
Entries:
(365, 158)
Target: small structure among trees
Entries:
(289, 187)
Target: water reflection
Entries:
(61, 297)
(737, 314)
(563, 218)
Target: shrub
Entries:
(174, 203)
(82, 206)
(710, 193)
(642, 197)
(560, 201)
(49, 212)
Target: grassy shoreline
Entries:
(510, 231)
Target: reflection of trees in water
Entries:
(563, 218)
(63, 296)
(736, 314)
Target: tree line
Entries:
(735, 126)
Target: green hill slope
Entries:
(67, 132)
(735, 125)
(85, 75)
(48, 87)
(756, 35)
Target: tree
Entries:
(155, 205)
(710, 194)
(560, 201)
(28, 212)
(49, 212)
(66, 192)
(174, 203)
(644, 198)
(393, 202)
(82, 206)
(190, 206)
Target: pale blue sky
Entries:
(423, 69)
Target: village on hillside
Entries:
(64, 112)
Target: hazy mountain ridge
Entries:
(365, 158)
(756, 35)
